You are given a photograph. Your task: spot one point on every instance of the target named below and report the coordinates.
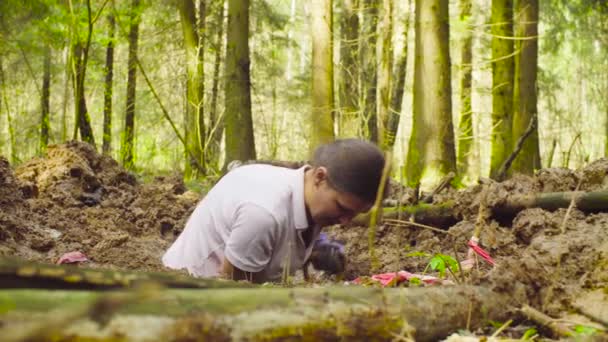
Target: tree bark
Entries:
(431, 154)
(128, 140)
(384, 59)
(45, 100)
(260, 314)
(240, 142)
(502, 82)
(349, 70)
(369, 76)
(399, 74)
(216, 121)
(465, 128)
(524, 94)
(194, 125)
(107, 93)
(322, 128)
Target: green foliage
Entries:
(583, 330)
(528, 334)
(442, 262)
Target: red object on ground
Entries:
(72, 257)
(387, 278)
(473, 244)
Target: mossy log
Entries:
(440, 215)
(444, 214)
(17, 273)
(255, 314)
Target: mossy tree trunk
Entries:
(369, 76)
(108, 87)
(128, 139)
(431, 153)
(240, 143)
(193, 30)
(465, 155)
(384, 57)
(215, 128)
(398, 85)
(502, 83)
(349, 69)
(45, 100)
(524, 95)
(322, 129)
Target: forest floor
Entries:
(74, 199)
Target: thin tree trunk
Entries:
(128, 147)
(66, 91)
(431, 153)
(369, 76)
(108, 88)
(322, 74)
(193, 122)
(384, 58)
(240, 142)
(502, 82)
(524, 102)
(465, 129)
(216, 121)
(398, 87)
(80, 57)
(45, 100)
(349, 70)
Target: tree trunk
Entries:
(260, 314)
(66, 91)
(4, 102)
(216, 121)
(107, 93)
(322, 128)
(81, 113)
(128, 141)
(384, 58)
(465, 129)
(399, 74)
(195, 88)
(369, 77)
(45, 100)
(502, 82)
(240, 142)
(431, 153)
(524, 95)
(349, 71)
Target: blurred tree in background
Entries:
(234, 79)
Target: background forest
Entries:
(191, 85)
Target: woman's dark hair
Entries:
(354, 166)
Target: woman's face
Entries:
(329, 206)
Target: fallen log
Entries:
(17, 273)
(444, 214)
(256, 314)
(585, 201)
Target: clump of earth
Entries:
(75, 199)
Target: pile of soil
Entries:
(547, 259)
(75, 199)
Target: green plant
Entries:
(442, 262)
(529, 334)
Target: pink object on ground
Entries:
(72, 257)
(387, 278)
(474, 245)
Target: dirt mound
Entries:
(541, 258)
(81, 200)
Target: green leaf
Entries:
(529, 333)
(417, 254)
(583, 330)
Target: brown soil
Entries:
(75, 199)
